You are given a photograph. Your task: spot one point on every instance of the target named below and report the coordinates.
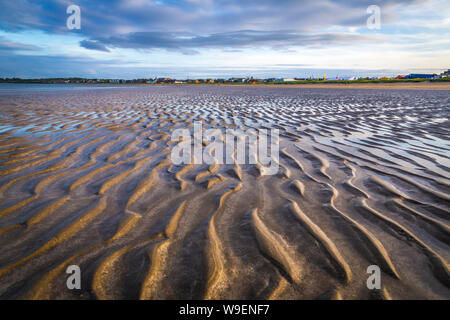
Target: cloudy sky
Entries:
(222, 38)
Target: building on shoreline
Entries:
(445, 74)
(250, 80)
(420, 76)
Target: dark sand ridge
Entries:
(86, 179)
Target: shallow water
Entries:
(86, 179)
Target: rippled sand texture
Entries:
(86, 179)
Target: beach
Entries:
(87, 179)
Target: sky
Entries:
(223, 38)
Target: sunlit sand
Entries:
(86, 179)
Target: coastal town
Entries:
(445, 76)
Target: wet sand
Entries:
(86, 179)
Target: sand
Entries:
(86, 179)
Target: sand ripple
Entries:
(86, 179)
